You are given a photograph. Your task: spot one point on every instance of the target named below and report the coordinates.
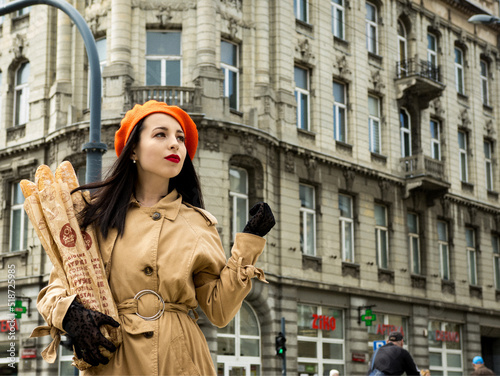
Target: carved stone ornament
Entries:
(472, 214)
(311, 165)
(52, 153)
(18, 45)
(341, 65)
(289, 162)
(76, 140)
(437, 106)
(232, 3)
(464, 119)
(384, 187)
(164, 15)
(349, 176)
(377, 81)
(248, 142)
(158, 4)
(490, 129)
(304, 47)
(445, 205)
(212, 139)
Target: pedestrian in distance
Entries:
(162, 254)
(393, 359)
(479, 368)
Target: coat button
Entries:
(156, 216)
(148, 270)
(149, 334)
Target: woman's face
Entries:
(161, 151)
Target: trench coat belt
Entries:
(131, 306)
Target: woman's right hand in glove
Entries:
(83, 326)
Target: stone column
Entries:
(206, 38)
(121, 19)
(64, 38)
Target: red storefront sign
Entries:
(324, 322)
(445, 336)
(28, 353)
(8, 325)
(386, 329)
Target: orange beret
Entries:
(139, 112)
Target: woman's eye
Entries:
(160, 134)
(181, 138)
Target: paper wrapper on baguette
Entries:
(52, 211)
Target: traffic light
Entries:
(280, 345)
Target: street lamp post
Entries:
(94, 148)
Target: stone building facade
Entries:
(370, 127)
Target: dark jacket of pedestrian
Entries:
(394, 360)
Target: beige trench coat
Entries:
(174, 250)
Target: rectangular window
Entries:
(495, 240)
(488, 165)
(230, 69)
(405, 130)
(320, 340)
(238, 193)
(381, 236)
(444, 257)
(414, 242)
(371, 28)
(374, 124)
(485, 98)
(18, 220)
(346, 228)
(301, 8)
(470, 239)
(163, 58)
(339, 112)
(459, 70)
(462, 151)
(21, 97)
(432, 60)
(302, 97)
(338, 18)
(435, 139)
(445, 348)
(307, 220)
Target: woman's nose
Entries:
(174, 143)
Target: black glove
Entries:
(262, 220)
(82, 325)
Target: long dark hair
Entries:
(111, 196)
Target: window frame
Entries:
(371, 29)
(301, 6)
(471, 257)
(372, 120)
(402, 52)
(234, 197)
(444, 351)
(459, 71)
(227, 69)
(495, 242)
(24, 221)
(338, 9)
(444, 247)
(463, 157)
(382, 231)
(299, 93)
(21, 114)
(412, 236)
(488, 164)
(338, 108)
(405, 133)
(435, 142)
(163, 59)
(304, 212)
(485, 95)
(347, 222)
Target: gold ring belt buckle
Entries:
(158, 314)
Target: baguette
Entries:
(66, 173)
(28, 188)
(44, 177)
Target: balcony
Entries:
(425, 174)
(187, 98)
(418, 80)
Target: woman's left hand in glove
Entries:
(262, 220)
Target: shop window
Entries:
(320, 340)
(301, 76)
(383, 325)
(444, 250)
(230, 69)
(163, 58)
(21, 95)
(470, 239)
(372, 28)
(18, 220)
(238, 193)
(238, 345)
(435, 127)
(307, 220)
(381, 236)
(414, 242)
(445, 349)
(338, 14)
(346, 227)
(339, 112)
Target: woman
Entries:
(162, 254)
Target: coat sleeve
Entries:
(409, 365)
(221, 286)
(53, 301)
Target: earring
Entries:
(134, 161)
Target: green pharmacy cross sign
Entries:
(368, 317)
(18, 309)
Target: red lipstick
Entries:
(173, 158)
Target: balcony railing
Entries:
(421, 68)
(421, 165)
(188, 98)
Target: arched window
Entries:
(21, 95)
(238, 345)
(403, 50)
